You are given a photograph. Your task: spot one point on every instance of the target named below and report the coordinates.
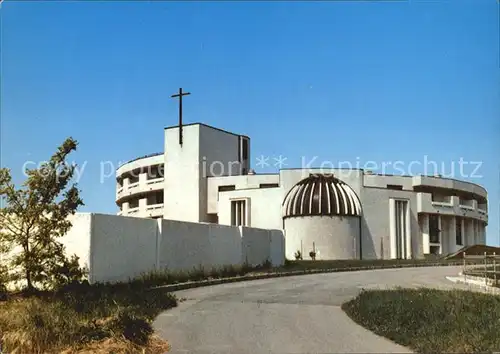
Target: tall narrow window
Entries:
(458, 231)
(401, 237)
(434, 229)
(239, 213)
(244, 154)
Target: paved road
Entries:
(299, 314)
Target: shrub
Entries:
(126, 323)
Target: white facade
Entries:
(208, 179)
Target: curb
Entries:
(210, 282)
(476, 282)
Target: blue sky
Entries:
(343, 81)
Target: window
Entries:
(441, 198)
(458, 231)
(395, 187)
(239, 213)
(244, 149)
(400, 235)
(434, 228)
(434, 249)
(244, 154)
(268, 185)
(155, 171)
(133, 179)
(133, 203)
(227, 188)
(155, 198)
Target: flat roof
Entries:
(208, 126)
(141, 157)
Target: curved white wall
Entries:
(334, 237)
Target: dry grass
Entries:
(156, 345)
(102, 318)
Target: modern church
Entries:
(204, 175)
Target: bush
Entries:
(126, 323)
(428, 320)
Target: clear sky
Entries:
(340, 81)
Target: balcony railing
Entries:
(132, 211)
(425, 204)
(155, 180)
(133, 185)
(443, 204)
(154, 207)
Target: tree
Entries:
(35, 216)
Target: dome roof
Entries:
(321, 195)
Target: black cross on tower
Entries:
(180, 94)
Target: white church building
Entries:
(204, 176)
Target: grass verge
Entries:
(167, 277)
(431, 321)
(84, 319)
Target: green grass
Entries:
(431, 321)
(373, 264)
(81, 316)
(168, 277)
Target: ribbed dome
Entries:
(321, 195)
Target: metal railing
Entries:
(484, 266)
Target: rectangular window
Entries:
(227, 188)
(244, 150)
(401, 235)
(395, 187)
(458, 232)
(238, 213)
(244, 154)
(434, 228)
(133, 203)
(133, 179)
(434, 249)
(268, 185)
(155, 172)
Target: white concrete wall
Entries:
(334, 237)
(278, 247)
(122, 247)
(116, 248)
(77, 240)
(256, 246)
(187, 245)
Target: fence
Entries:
(484, 267)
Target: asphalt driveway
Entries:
(299, 314)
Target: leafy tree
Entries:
(35, 216)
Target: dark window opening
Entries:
(434, 228)
(227, 188)
(434, 249)
(245, 150)
(133, 203)
(395, 187)
(268, 185)
(155, 172)
(458, 232)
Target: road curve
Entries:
(299, 314)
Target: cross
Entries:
(180, 94)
